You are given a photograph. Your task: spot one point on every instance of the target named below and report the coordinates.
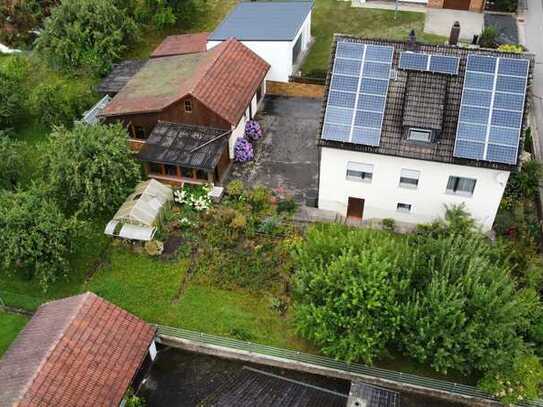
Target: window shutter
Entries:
(410, 174)
(353, 166)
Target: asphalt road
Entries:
(532, 37)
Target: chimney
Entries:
(412, 41)
(455, 33)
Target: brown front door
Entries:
(355, 208)
(456, 4)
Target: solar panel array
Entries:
(357, 94)
(416, 61)
(491, 110)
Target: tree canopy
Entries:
(90, 169)
(10, 162)
(43, 250)
(88, 34)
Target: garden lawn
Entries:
(10, 326)
(332, 16)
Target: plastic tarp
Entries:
(140, 212)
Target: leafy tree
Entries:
(11, 93)
(87, 34)
(36, 237)
(10, 162)
(348, 298)
(56, 104)
(90, 169)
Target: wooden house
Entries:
(218, 89)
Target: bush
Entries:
(54, 104)
(243, 150)
(488, 37)
(88, 34)
(11, 162)
(259, 198)
(511, 48)
(36, 237)
(520, 382)
(288, 205)
(235, 188)
(90, 169)
(389, 224)
(253, 131)
(525, 183)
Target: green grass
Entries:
(336, 17)
(10, 326)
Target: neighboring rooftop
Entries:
(264, 21)
(119, 76)
(186, 146)
(422, 98)
(181, 44)
(362, 394)
(78, 351)
(224, 79)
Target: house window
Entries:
(403, 207)
(409, 178)
(188, 106)
(155, 168)
(139, 132)
(171, 170)
(461, 186)
(186, 172)
(420, 135)
(359, 172)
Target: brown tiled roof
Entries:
(224, 79)
(181, 44)
(79, 351)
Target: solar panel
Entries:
(492, 108)
(357, 95)
(444, 64)
(414, 61)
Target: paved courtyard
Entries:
(287, 156)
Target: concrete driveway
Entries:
(287, 156)
(440, 21)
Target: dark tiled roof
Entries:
(171, 143)
(425, 95)
(224, 79)
(181, 44)
(119, 76)
(402, 104)
(264, 21)
(253, 387)
(79, 351)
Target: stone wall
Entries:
(294, 89)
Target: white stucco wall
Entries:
(384, 193)
(277, 53)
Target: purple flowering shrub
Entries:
(243, 150)
(253, 131)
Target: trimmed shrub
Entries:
(235, 188)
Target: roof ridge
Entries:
(79, 304)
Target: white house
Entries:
(277, 31)
(409, 129)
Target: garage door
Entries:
(457, 4)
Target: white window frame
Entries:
(413, 129)
(460, 192)
(361, 168)
(409, 174)
(401, 209)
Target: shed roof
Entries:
(264, 21)
(181, 44)
(372, 396)
(143, 206)
(410, 100)
(78, 351)
(224, 79)
(186, 146)
(119, 76)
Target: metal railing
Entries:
(406, 379)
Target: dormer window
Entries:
(420, 135)
(188, 106)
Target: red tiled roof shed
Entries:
(224, 79)
(181, 44)
(79, 351)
